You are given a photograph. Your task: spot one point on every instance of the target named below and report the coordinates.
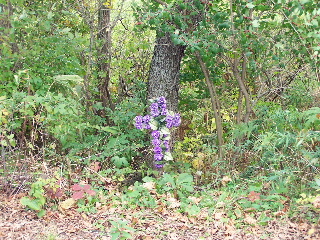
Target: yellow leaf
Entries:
(197, 163)
(108, 3)
(66, 204)
(311, 231)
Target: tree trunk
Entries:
(164, 77)
(214, 101)
(165, 70)
(104, 34)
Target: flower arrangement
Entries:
(159, 122)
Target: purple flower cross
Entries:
(160, 121)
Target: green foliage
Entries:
(51, 108)
(144, 195)
(120, 162)
(138, 195)
(37, 199)
(180, 185)
(285, 146)
(120, 230)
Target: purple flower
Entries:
(154, 110)
(146, 121)
(164, 110)
(158, 156)
(177, 120)
(156, 142)
(155, 134)
(139, 122)
(158, 165)
(169, 120)
(157, 149)
(162, 100)
(166, 144)
(159, 141)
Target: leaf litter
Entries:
(164, 222)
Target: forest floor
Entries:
(163, 222)
(18, 223)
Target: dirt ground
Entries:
(18, 223)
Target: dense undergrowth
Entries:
(67, 150)
(270, 169)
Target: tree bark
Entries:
(104, 34)
(164, 77)
(165, 70)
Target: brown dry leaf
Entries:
(173, 236)
(225, 180)
(250, 220)
(149, 185)
(95, 166)
(212, 231)
(195, 199)
(66, 204)
(134, 220)
(219, 215)
(279, 213)
(316, 202)
(253, 196)
(174, 203)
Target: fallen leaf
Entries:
(174, 203)
(316, 202)
(76, 187)
(68, 203)
(311, 231)
(253, 196)
(91, 192)
(134, 220)
(95, 166)
(195, 199)
(78, 195)
(219, 215)
(250, 220)
(149, 185)
(225, 180)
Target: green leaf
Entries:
(153, 124)
(184, 178)
(250, 5)
(224, 25)
(168, 156)
(165, 130)
(255, 23)
(317, 181)
(32, 204)
(115, 235)
(41, 213)
(120, 161)
(73, 78)
(113, 130)
(193, 210)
